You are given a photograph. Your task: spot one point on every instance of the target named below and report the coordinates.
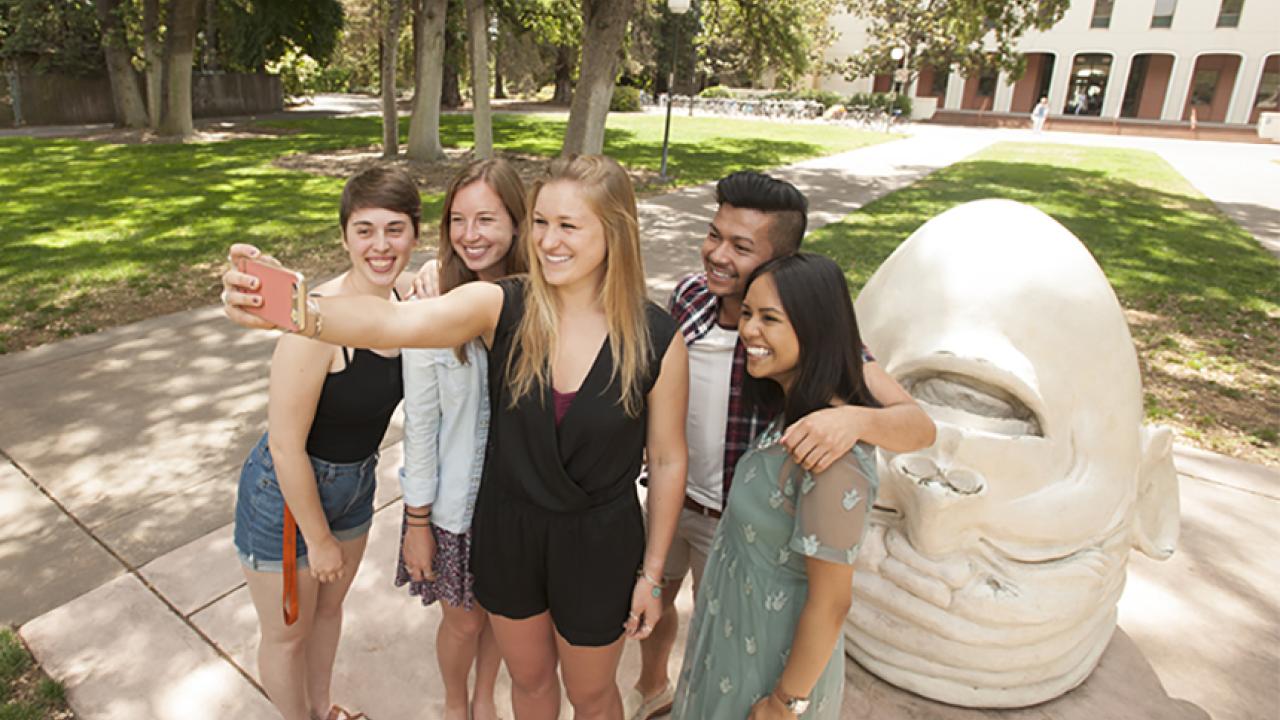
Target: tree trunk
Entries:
(604, 24)
(210, 60)
(151, 57)
(481, 119)
(179, 50)
(564, 76)
(126, 96)
(451, 93)
(499, 92)
(390, 119)
(424, 125)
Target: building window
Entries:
(987, 83)
(1229, 13)
(1163, 15)
(938, 85)
(1102, 13)
(1203, 85)
(1268, 97)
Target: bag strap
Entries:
(290, 568)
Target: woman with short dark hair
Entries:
(305, 501)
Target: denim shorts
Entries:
(346, 493)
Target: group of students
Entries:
(545, 385)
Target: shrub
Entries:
(887, 102)
(625, 99)
(716, 91)
(825, 98)
(298, 72)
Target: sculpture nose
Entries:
(924, 470)
(936, 496)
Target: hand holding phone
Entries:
(284, 295)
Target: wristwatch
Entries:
(794, 705)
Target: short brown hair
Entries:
(390, 188)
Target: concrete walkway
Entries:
(117, 489)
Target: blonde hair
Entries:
(502, 178)
(607, 192)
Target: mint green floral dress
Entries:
(755, 584)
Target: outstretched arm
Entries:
(469, 311)
(899, 425)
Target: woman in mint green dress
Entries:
(766, 639)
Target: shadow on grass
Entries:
(80, 216)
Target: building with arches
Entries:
(1211, 61)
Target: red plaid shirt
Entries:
(696, 311)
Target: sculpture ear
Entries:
(1155, 529)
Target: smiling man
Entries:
(758, 218)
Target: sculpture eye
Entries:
(969, 402)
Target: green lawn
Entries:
(93, 234)
(25, 693)
(1202, 297)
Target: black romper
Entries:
(557, 522)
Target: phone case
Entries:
(284, 295)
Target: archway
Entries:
(1213, 79)
(1267, 98)
(1034, 83)
(1147, 86)
(1088, 86)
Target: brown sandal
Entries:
(337, 712)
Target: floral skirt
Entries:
(454, 581)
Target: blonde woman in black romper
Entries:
(587, 377)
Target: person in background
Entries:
(1039, 114)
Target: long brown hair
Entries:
(607, 192)
(505, 182)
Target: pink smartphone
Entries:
(284, 295)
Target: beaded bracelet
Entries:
(656, 590)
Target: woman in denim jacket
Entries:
(446, 428)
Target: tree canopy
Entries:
(255, 33)
(971, 36)
(742, 39)
(61, 37)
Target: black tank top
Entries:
(594, 455)
(355, 407)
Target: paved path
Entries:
(117, 485)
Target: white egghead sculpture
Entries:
(991, 572)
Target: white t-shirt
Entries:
(710, 369)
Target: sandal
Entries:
(337, 712)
